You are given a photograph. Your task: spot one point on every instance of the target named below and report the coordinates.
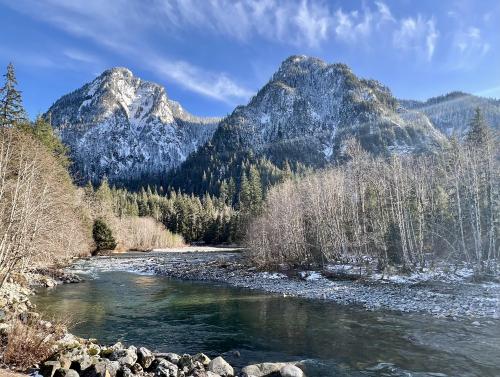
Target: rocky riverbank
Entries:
(47, 349)
(79, 357)
(441, 293)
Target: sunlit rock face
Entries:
(309, 108)
(125, 128)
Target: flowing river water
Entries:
(333, 340)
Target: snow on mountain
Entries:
(318, 105)
(304, 115)
(126, 128)
(452, 113)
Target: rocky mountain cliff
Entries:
(126, 128)
(310, 102)
(304, 114)
(452, 112)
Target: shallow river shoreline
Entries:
(455, 300)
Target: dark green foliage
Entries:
(11, 104)
(103, 237)
(251, 192)
(207, 219)
(393, 243)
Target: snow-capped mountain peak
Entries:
(123, 127)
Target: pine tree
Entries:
(479, 134)
(231, 191)
(103, 193)
(224, 193)
(11, 104)
(255, 190)
(245, 198)
(88, 189)
(103, 237)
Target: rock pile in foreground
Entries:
(85, 358)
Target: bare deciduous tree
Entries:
(403, 210)
(40, 217)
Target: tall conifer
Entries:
(11, 104)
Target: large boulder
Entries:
(66, 373)
(69, 341)
(108, 351)
(65, 360)
(203, 373)
(165, 368)
(170, 356)
(145, 357)
(81, 361)
(93, 371)
(93, 349)
(127, 357)
(264, 369)
(48, 368)
(136, 368)
(202, 358)
(212, 374)
(186, 362)
(291, 370)
(102, 368)
(221, 367)
(124, 372)
(109, 366)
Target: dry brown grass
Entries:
(143, 234)
(9, 373)
(30, 342)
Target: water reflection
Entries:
(195, 317)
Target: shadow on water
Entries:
(191, 317)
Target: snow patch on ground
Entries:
(272, 275)
(311, 275)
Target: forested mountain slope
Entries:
(302, 116)
(452, 112)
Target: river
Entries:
(333, 340)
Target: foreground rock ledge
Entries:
(85, 358)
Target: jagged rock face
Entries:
(125, 128)
(314, 106)
(303, 116)
(452, 113)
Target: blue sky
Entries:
(214, 54)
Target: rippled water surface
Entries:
(191, 317)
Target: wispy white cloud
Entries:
(214, 85)
(417, 34)
(126, 27)
(313, 23)
(113, 25)
(80, 56)
(350, 26)
(469, 48)
(362, 24)
(384, 12)
(470, 41)
(301, 23)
